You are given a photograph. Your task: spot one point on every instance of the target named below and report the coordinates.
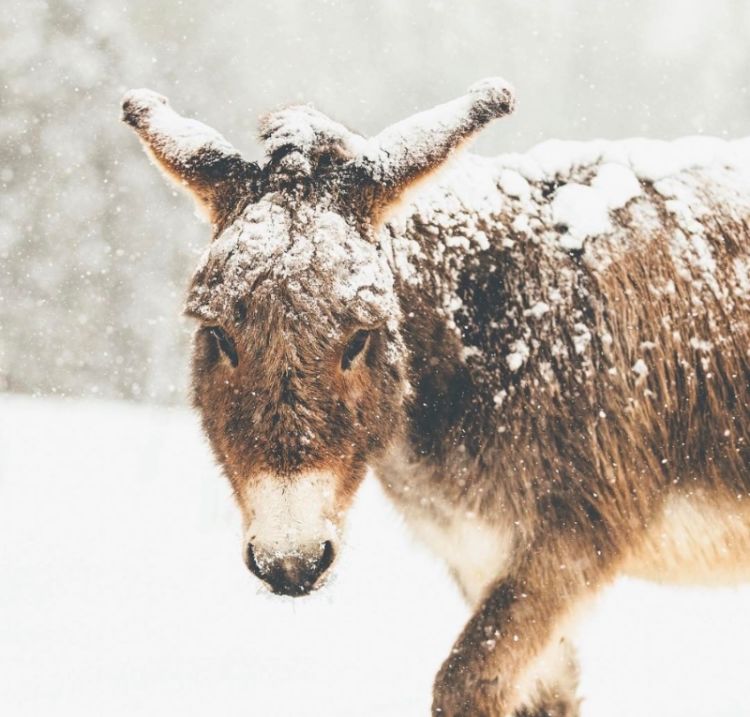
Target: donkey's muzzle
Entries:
(290, 574)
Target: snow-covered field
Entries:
(122, 592)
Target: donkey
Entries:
(544, 358)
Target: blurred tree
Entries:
(95, 248)
(88, 300)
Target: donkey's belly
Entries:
(696, 541)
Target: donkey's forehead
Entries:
(314, 255)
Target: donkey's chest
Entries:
(478, 551)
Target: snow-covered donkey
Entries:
(544, 358)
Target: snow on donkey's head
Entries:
(299, 368)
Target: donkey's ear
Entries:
(190, 153)
(408, 150)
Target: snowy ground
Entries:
(122, 592)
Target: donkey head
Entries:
(299, 366)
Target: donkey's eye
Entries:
(354, 348)
(224, 343)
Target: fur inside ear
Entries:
(189, 152)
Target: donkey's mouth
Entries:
(295, 574)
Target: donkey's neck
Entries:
(475, 286)
(451, 256)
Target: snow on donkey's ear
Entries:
(190, 153)
(413, 148)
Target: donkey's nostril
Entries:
(327, 558)
(252, 564)
(290, 574)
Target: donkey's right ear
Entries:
(191, 154)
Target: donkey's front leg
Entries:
(514, 624)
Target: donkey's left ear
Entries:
(409, 150)
(190, 153)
